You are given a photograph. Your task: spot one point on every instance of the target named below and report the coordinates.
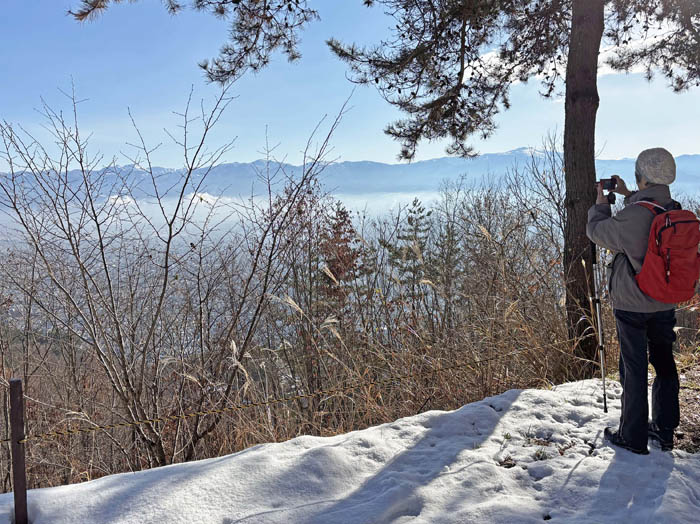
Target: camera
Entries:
(608, 184)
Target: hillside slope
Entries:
(520, 457)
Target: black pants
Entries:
(637, 332)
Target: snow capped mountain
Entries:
(525, 456)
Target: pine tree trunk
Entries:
(579, 163)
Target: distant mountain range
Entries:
(356, 178)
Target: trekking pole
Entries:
(599, 322)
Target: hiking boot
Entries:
(662, 437)
(616, 440)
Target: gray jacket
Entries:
(626, 235)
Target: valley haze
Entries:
(376, 187)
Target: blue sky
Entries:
(137, 56)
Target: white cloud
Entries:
(638, 41)
(121, 200)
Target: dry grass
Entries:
(688, 433)
(353, 302)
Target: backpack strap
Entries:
(673, 205)
(655, 208)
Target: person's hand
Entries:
(621, 187)
(601, 198)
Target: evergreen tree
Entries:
(444, 266)
(450, 64)
(407, 255)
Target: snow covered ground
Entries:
(520, 457)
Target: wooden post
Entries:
(19, 473)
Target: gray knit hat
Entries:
(656, 165)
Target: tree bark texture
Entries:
(579, 162)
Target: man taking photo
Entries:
(643, 323)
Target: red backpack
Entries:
(672, 263)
